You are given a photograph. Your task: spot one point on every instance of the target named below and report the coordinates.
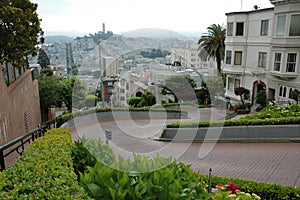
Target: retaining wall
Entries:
(239, 133)
(19, 106)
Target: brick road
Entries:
(263, 162)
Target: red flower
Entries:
(232, 186)
(219, 185)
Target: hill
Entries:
(57, 38)
(155, 33)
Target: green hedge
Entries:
(264, 190)
(68, 116)
(240, 122)
(44, 171)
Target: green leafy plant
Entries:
(173, 181)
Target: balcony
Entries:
(233, 69)
(285, 75)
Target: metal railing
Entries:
(18, 144)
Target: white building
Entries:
(263, 50)
(189, 58)
(111, 66)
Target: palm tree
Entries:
(212, 44)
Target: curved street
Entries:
(262, 162)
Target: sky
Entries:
(87, 16)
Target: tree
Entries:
(46, 72)
(134, 101)
(212, 44)
(147, 99)
(91, 100)
(43, 59)
(261, 97)
(295, 94)
(19, 29)
(241, 91)
(49, 96)
(182, 87)
(72, 92)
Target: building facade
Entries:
(263, 51)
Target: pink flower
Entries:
(219, 185)
(237, 191)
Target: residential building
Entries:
(263, 50)
(110, 66)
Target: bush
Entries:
(271, 115)
(44, 171)
(173, 181)
(240, 122)
(61, 119)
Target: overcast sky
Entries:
(87, 16)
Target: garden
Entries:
(54, 167)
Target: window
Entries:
(291, 62)
(284, 92)
(295, 25)
(238, 57)
(237, 83)
(290, 93)
(230, 83)
(280, 91)
(233, 83)
(262, 59)
(229, 28)
(264, 27)
(277, 61)
(228, 57)
(280, 25)
(239, 29)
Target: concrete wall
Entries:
(19, 107)
(238, 133)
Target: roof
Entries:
(251, 11)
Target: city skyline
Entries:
(72, 17)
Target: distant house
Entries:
(263, 51)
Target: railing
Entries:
(18, 144)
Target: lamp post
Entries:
(101, 72)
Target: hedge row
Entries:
(264, 190)
(44, 171)
(68, 116)
(240, 122)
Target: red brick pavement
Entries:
(262, 162)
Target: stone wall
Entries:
(19, 107)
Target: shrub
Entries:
(174, 181)
(44, 171)
(61, 119)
